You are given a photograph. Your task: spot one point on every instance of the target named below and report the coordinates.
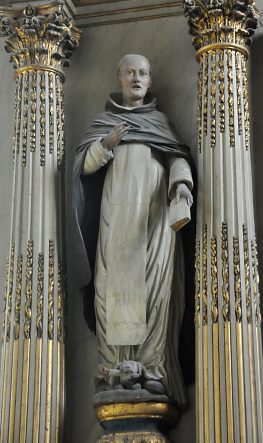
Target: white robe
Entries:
(135, 254)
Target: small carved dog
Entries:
(126, 375)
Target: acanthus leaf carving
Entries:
(38, 37)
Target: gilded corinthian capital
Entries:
(221, 22)
(40, 35)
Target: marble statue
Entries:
(138, 269)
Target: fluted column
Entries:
(228, 332)
(40, 41)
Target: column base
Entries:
(137, 420)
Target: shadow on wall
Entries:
(256, 95)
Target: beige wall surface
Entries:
(90, 78)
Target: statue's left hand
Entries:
(182, 191)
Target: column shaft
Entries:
(228, 331)
(33, 344)
(228, 346)
(32, 360)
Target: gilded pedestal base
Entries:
(137, 422)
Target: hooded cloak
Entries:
(147, 126)
(150, 127)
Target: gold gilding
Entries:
(6, 294)
(24, 398)
(205, 92)
(214, 282)
(18, 297)
(25, 117)
(205, 385)
(33, 111)
(60, 323)
(51, 290)
(19, 119)
(213, 99)
(252, 383)
(245, 101)
(197, 284)
(11, 427)
(256, 295)
(231, 104)
(48, 39)
(40, 42)
(241, 384)
(9, 293)
(221, 25)
(221, 87)
(40, 295)
(51, 110)
(28, 290)
(60, 391)
(117, 411)
(258, 363)
(238, 90)
(225, 272)
(4, 421)
(221, 46)
(62, 108)
(58, 119)
(40, 68)
(247, 275)
(229, 382)
(200, 108)
(238, 309)
(49, 363)
(37, 390)
(204, 275)
(42, 118)
(216, 375)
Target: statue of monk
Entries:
(138, 275)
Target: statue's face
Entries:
(135, 79)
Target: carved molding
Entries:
(88, 13)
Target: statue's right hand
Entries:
(114, 137)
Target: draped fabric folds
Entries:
(139, 284)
